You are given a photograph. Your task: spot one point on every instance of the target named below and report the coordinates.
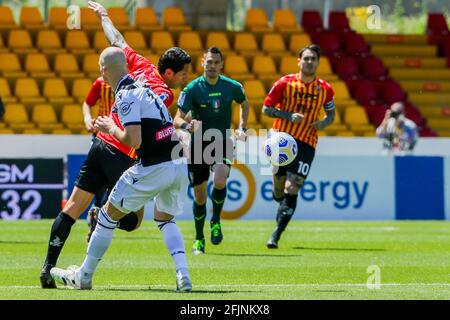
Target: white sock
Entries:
(99, 243)
(175, 244)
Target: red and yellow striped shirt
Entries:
(293, 95)
(102, 92)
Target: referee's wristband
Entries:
(113, 129)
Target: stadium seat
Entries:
(100, 41)
(161, 41)
(27, 91)
(90, 65)
(37, 66)
(366, 93)
(329, 44)
(7, 21)
(373, 68)
(236, 67)
(357, 120)
(404, 50)
(191, 42)
(57, 18)
(391, 92)
(312, 21)
(56, 93)
(235, 116)
(80, 89)
(338, 21)
(66, 67)
(341, 94)
(324, 70)
(273, 45)
(354, 44)
(345, 133)
(284, 21)
(256, 93)
(256, 20)
(266, 122)
(119, 17)
(429, 74)
(220, 40)
(136, 40)
(5, 92)
(17, 118)
(298, 41)
(89, 20)
(44, 116)
(49, 43)
(245, 44)
(289, 65)
(63, 131)
(31, 18)
(3, 49)
(72, 117)
(146, 20)
(347, 67)
(437, 24)
(265, 70)
(10, 67)
(77, 43)
(173, 19)
(19, 41)
(32, 131)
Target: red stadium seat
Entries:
(346, 67)
(354, 44)
(413, 113)
(312, 21)
(427, 132)
(376, 113)
(339, 21)
(436, 24)
(365, 92)
(391, 91)
(373, 68)
(330, 44)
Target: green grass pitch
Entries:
(316, 260)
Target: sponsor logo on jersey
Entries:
(164, 133)
(125, 108)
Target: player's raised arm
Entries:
(113, 35)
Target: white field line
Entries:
(218, 286)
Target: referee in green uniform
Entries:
(209, 99)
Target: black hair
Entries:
(313, 47)
(174, 59)
(215, 50)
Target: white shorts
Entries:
(166, 183)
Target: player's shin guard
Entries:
(58, 235)
(218, 198)
(100, 241)
(174, 243)
(129, 222)
(199, 219)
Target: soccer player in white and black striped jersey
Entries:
(148, 127)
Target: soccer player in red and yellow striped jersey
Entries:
(296, 101)
(100, 92)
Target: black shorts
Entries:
(102, 168)
(200, 165)
(302, 162)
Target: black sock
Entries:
(276, 198)
(58, 235)
(199, 218)
(129, 222)
(286, 211)
(218, 198)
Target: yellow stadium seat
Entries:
(5, 92)
(89, 20)
(37, 66)
(49, 43)
(220, 40)
(289, 65)
(100, 41)
(6, 131)
(173, 19)
(265, 70)
(340, 90)
(357, 120)
(404, 50)
(273, 45)
(256, 20)
(136, 40)
(44, 116)
(191, 42)
(66, 66)
(345, 133)
(77, 42)
(256, 93)
(57, 18)
(439, 123)
(61, 131)
(17, 117)
(284, 21)
(153, 58)
(72, 117)
(236, 67)
(32, 131)
(298, 41)
(10, 66)
(19, 41)
(3, 49)
(90, 65)
(266, 121)
(27, 91)
(56, 93)
(146, 20)
(31, 18)
(161, 41)
(7, 21)
(245, 44)
(119, 17)
(80, 89)
(430, 74)
(235, 116)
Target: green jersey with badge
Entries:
(211, 104)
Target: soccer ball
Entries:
(281, 149)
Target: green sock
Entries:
(199, 218)
(218, 198)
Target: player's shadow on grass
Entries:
(254, 255)
(338, 249)
(21, 242)
(149, 289)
